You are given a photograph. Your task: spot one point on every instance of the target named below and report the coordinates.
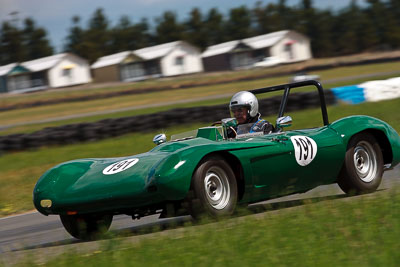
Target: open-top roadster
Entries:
(205, 172)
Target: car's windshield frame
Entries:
(287, 87)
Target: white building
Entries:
(59, 70)
(170, 59)
(4, 71)
(288, 46)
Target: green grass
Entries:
(36, 127)
(358, 70)
(28, 128)
(6, 100)
(94, 89)
(27, 115)
(64, 109)
(20, 170)
(354, 231)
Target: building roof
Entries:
(6, 68)
(44, 63)
(35, 65)
(257, 42)
(156, 51)
(265, 40)
(110, 59)
(220, 48)
(147, 53)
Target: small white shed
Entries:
(170, 59)
(175, 58)
(4, 71)
(61, 70)
(288, 46)
(49, 72)
(120, 66)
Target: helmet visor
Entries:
(238, 111)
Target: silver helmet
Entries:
(245, 99)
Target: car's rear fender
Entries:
(386, 136)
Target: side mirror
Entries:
(282, 122)
(227, 123)
(159, 139)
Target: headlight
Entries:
(46, 203)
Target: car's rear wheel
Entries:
(363, 166)
(88, 226)
(215, 189)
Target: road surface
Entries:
(36, 233)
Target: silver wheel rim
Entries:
(365, 161)
(217, 188)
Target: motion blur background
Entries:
(100, 79)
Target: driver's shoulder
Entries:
(261, 122)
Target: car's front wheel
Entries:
(215, 188)
(363, 166)
(88, 226)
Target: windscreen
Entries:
(184, 135)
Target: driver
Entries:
(244, 107)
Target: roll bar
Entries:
(287, 87)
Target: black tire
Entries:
(363, 165)
(214, 189)
(86, 227)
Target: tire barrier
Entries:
(106, 128)
(350, 94)
(381, 90)
(371, 91)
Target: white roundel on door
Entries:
(305, 149)
(120, 166)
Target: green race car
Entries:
(207, 172)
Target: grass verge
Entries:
(351, 231)
(55, 111)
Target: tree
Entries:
(367, 38)
(195, 32)
(239, 23)
(11, 44)
(345, 35)
(97, 40)
(393, 11)
(214, 27)
(322, 41)
(128, 36)
(142, 33)
(266, 18)
(385, 24)
(75, 38)
(122, 36)
(35, 41)
(168, 28)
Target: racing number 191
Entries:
(305, 149)
(120, 166)
(304, 144)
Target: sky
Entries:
(55, 15)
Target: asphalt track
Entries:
(39, 235)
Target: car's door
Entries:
(318, 155)
(298, 161)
